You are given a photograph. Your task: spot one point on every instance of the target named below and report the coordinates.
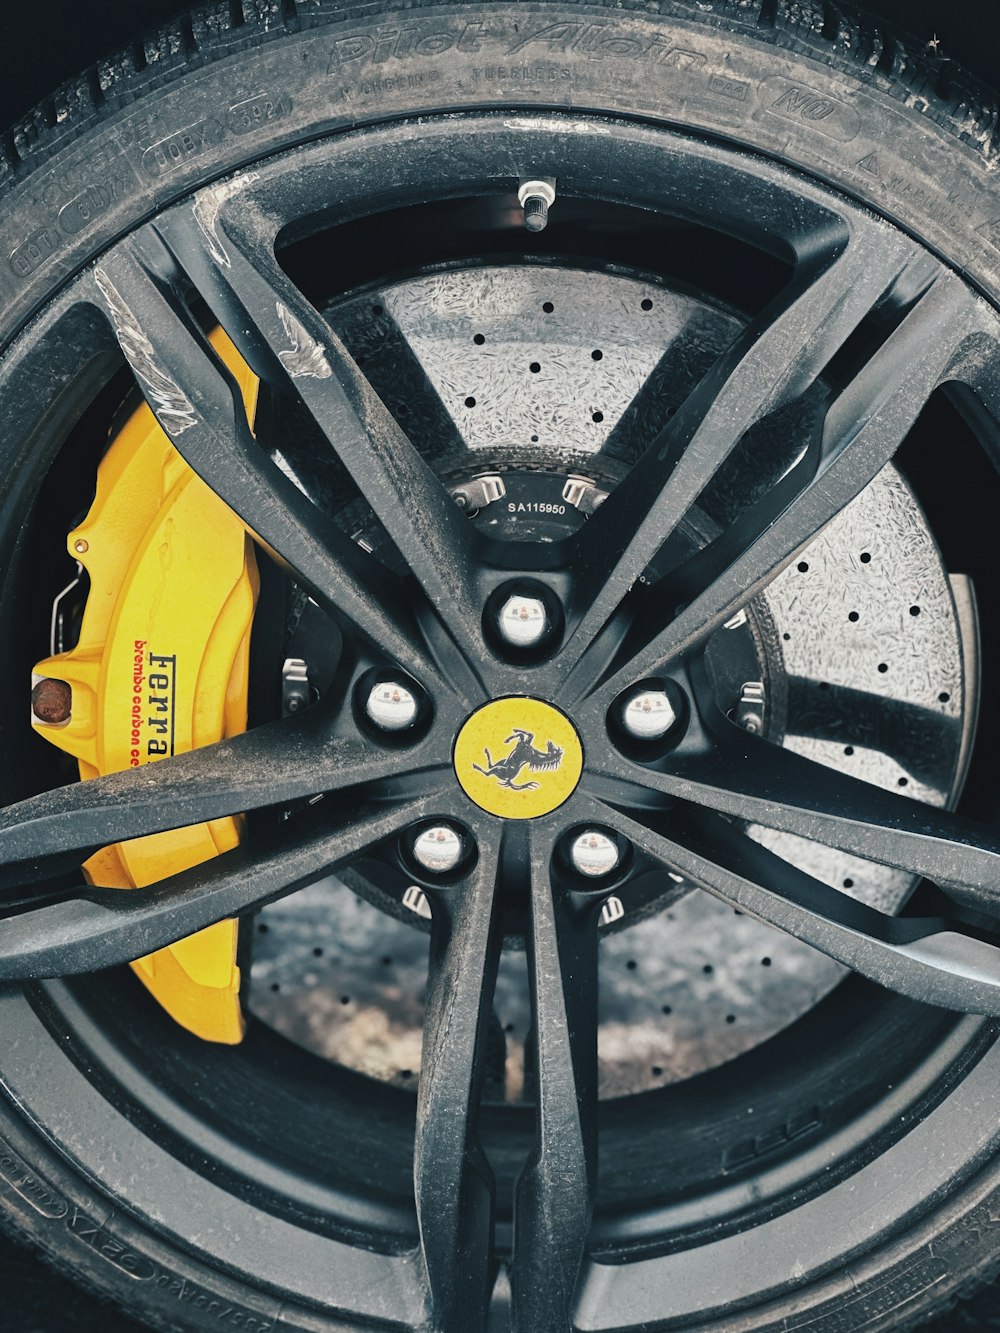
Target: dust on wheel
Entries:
(496, 619)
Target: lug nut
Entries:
(594, 854)
(536, 197)
(391, 706)
(438, 849)
(523, 621)
(649, 715)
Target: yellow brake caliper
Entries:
(162, 667)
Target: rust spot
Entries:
(52, 701)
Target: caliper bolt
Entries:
(523, 621)
(594, 854)
(438, 849)
(52, 701)
(536, 197)
(649, 715)
(391, 706)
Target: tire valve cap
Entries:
(536, 197)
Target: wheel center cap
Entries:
(518, 757)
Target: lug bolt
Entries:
(438, 849)
(52, 701)
(536, 197)
(593, 853)
(649, 715)
(391, 706)
(523, 621)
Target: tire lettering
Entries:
(39, 246)
(90, 203)
(804, 105)
(391, 43)
(178, 148)
(31, 1188)
(822, 113)
(93, 1235)
(735, 90)
(252, 113)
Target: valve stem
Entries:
(536, 197)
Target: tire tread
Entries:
(836, 35)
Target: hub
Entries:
(518, 758)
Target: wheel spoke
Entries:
(751, 779)
(274, 764)
(774, 360)
(199, 406)
(99, 928)
(453, 1182)
(864, 426)
(927, 959)
(270, 321)
(555, 1192)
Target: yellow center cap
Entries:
(518, 758)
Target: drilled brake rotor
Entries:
(865, 649)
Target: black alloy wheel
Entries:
(576, 660)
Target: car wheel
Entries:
(489, 490)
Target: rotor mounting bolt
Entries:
(294, 685)
(439, 849)
(415, 899)
(391, 706)
(649, 715)
(536, 197)
(523, 621)
(52, 701)
(612, 911)
(750, 709)
(594, 854)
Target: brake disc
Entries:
(160, 667)
(867, 663)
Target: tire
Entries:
(823, 92)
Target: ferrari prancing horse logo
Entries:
(530, 779)
(524, 753)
